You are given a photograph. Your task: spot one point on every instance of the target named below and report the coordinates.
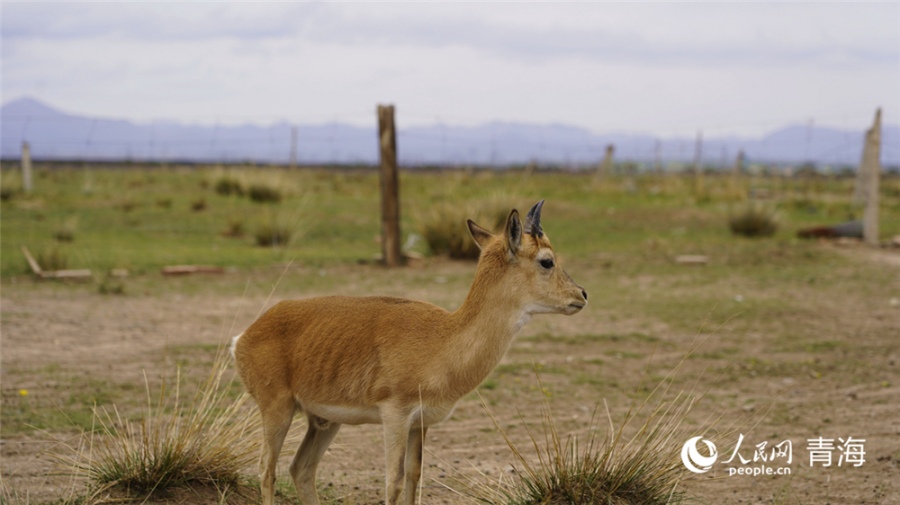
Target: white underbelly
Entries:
(344, 414)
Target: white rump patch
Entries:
(234, 344)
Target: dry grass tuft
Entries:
(198, 204)
(53, 258)
(264, 193)
(235, 228)
(273, 234)
(444, 225)
(753, 220)
(627, 466)
(227, 185)
(207, 442)
(277, 229)
(66, 232)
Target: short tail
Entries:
(234, 344)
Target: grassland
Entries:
(143, 219)
(792, 338)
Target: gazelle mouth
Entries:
(577, 306)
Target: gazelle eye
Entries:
(547, 263)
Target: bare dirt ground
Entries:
(835, 375)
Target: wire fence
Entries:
(54, 136)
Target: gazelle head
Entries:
(522, 260)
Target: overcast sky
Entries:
(659, 68)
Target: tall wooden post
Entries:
(27, 184)
(390, 193)
(871, 170)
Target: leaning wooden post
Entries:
(27, 185)
(390, 193)
(871, 170)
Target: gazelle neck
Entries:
(484, 327)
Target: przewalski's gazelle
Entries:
(401, 363)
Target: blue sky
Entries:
(660, 68)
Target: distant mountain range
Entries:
(55, 135)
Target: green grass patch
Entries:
(121, 222)
(718, 354)
(526, 368)
(624, 354)
(65, 403)
(594, 338)
(813, 347)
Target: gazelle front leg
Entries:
(414, 447)
(396, 435)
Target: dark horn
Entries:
(533, 220)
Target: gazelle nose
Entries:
(584, 294)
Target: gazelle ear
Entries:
(513, 231)
(480, 235)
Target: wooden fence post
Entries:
(698, 154)
(293, 156)
(27, 184)
(390, 193)
(871, 172)
(606, 165)
(738, 168)
(657, 157)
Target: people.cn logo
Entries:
(693, 460)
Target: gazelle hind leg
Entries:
(414, 447)
(318, 437)
(276, 421)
